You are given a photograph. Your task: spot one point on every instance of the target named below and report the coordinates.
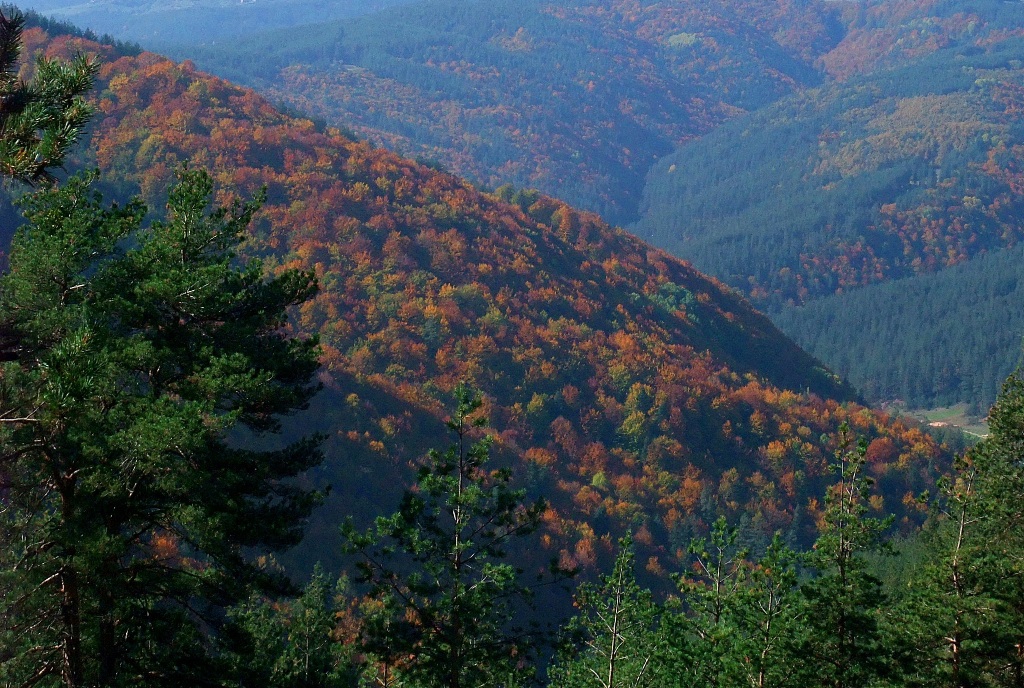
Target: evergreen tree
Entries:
(42, 119)
(709, 597)
(1000, 485)
(950, 617)
(151, 361)
(445, 600)
(294, 644)
(842, 645)
(767, 617)
(614, 642)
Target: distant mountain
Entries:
(577, 98)
(160, 24)
(622, 384)
(887, 34)
(902, 172)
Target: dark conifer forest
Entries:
(281, 407)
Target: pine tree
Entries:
(1000, 486)
(152, 362)
(950, 617)
(767, 617)
(965, 617)
(614, 641)
(41, 120)
(293, 643)
(445, 598)
(842, 644)
(709, 596)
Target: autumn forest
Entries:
(510, 344)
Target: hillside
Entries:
(160, 25)
(575, 98)
(904, 172)
(940, 363)
(622, 384)
(901, 173)
(882, 34)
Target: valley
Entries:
(917, 178)
(954, 416)
(665, 313)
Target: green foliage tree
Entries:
(737, 621)
(294, 644)
(152, 369)
(964, 617)
(709, 597)
(614, 641)
(39, 120)
(1000, 485)
(842, 643)
(445, 599)
(950, 617)
(767, 617)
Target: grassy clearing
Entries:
(955, 416)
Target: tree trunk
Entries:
(71, 615)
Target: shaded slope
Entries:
(623, 385)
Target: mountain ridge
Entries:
(626, 387)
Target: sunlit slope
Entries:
(623, 385)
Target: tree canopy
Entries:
(152, 371)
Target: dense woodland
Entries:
(896, 202)
(243, 330)
(902, 173)
(904, 162)
(629, 384)
(940, 362)
(471, 84)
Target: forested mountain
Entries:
(902, 162)
(158, 24)
(576, 98)
(148, 354)
(893, 151)
(622, 384)
(906, 171)
(882, 34)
